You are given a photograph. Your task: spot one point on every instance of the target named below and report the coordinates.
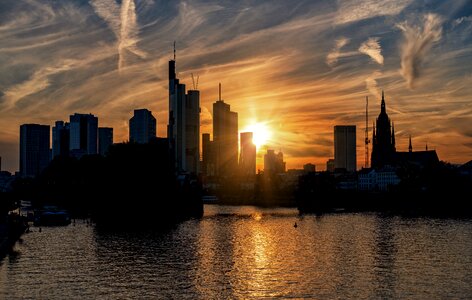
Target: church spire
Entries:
(382, 105)
(410, 147)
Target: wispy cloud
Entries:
(332, 57)
(355, 10)
(418, 40)
(123, 22)
(371, 84)
(372, 48)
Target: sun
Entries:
(261, 133)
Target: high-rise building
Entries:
(34, 149)
(83, 134)
(247, 158)
(60, 139)
(183, 130)
(105, 139)
(192, 131)
(225, 137)
(208, 156)
(273, 163)
(383, 140)
(345, 147)
(142, 126)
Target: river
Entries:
(247, 253)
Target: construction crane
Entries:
(195, 82)
(367, 141)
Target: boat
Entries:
(51, 216)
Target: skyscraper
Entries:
(192, 131)
(105, 139)
(60, 139)
(183, 130)
(83, 134)
(34, 149)
(383, 140)
(247, 159)
(142, 126)
(225, 137)
(208, 156)
(345, 147)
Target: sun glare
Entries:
(261, 134)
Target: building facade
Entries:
(105, 139)
(34, 149)
(83, 135)
(345, 148)
(225, 138)
(247, 158)
(60, 139)
(274, 163)
(142, 126)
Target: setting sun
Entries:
(261, 133)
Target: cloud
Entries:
(461, 20)
(418, 40)
(332, 57)
(371, 84)
(355, 10)
(372, 48)
(123, 22)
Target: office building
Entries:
(142, 127)
(105, 139)
(83, 135)
(183, 129)
(345, 148)
(34, 149)
(225, 137)
(60, 139)
(273, 163)
(247, 158)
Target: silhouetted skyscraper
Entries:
(383, 140)
(247, 160)
(60, 139)
(345, 147)
(142, 126)
(183, 130)
(225, 137)
(273, 163)
(34, 149)
(208, 156)
(83, 134)
(192, 131)
(105, 139)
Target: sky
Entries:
(298, 67)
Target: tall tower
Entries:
(383, 148)
(183, 130)
(247, 159)
(225, 137)
(60, 139)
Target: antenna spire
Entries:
(367, 141)
(174, 50)
(219, 91)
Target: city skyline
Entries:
(298, 70)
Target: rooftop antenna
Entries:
(367, 141)
(219, 91)
(195, 82)
(174, 50)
